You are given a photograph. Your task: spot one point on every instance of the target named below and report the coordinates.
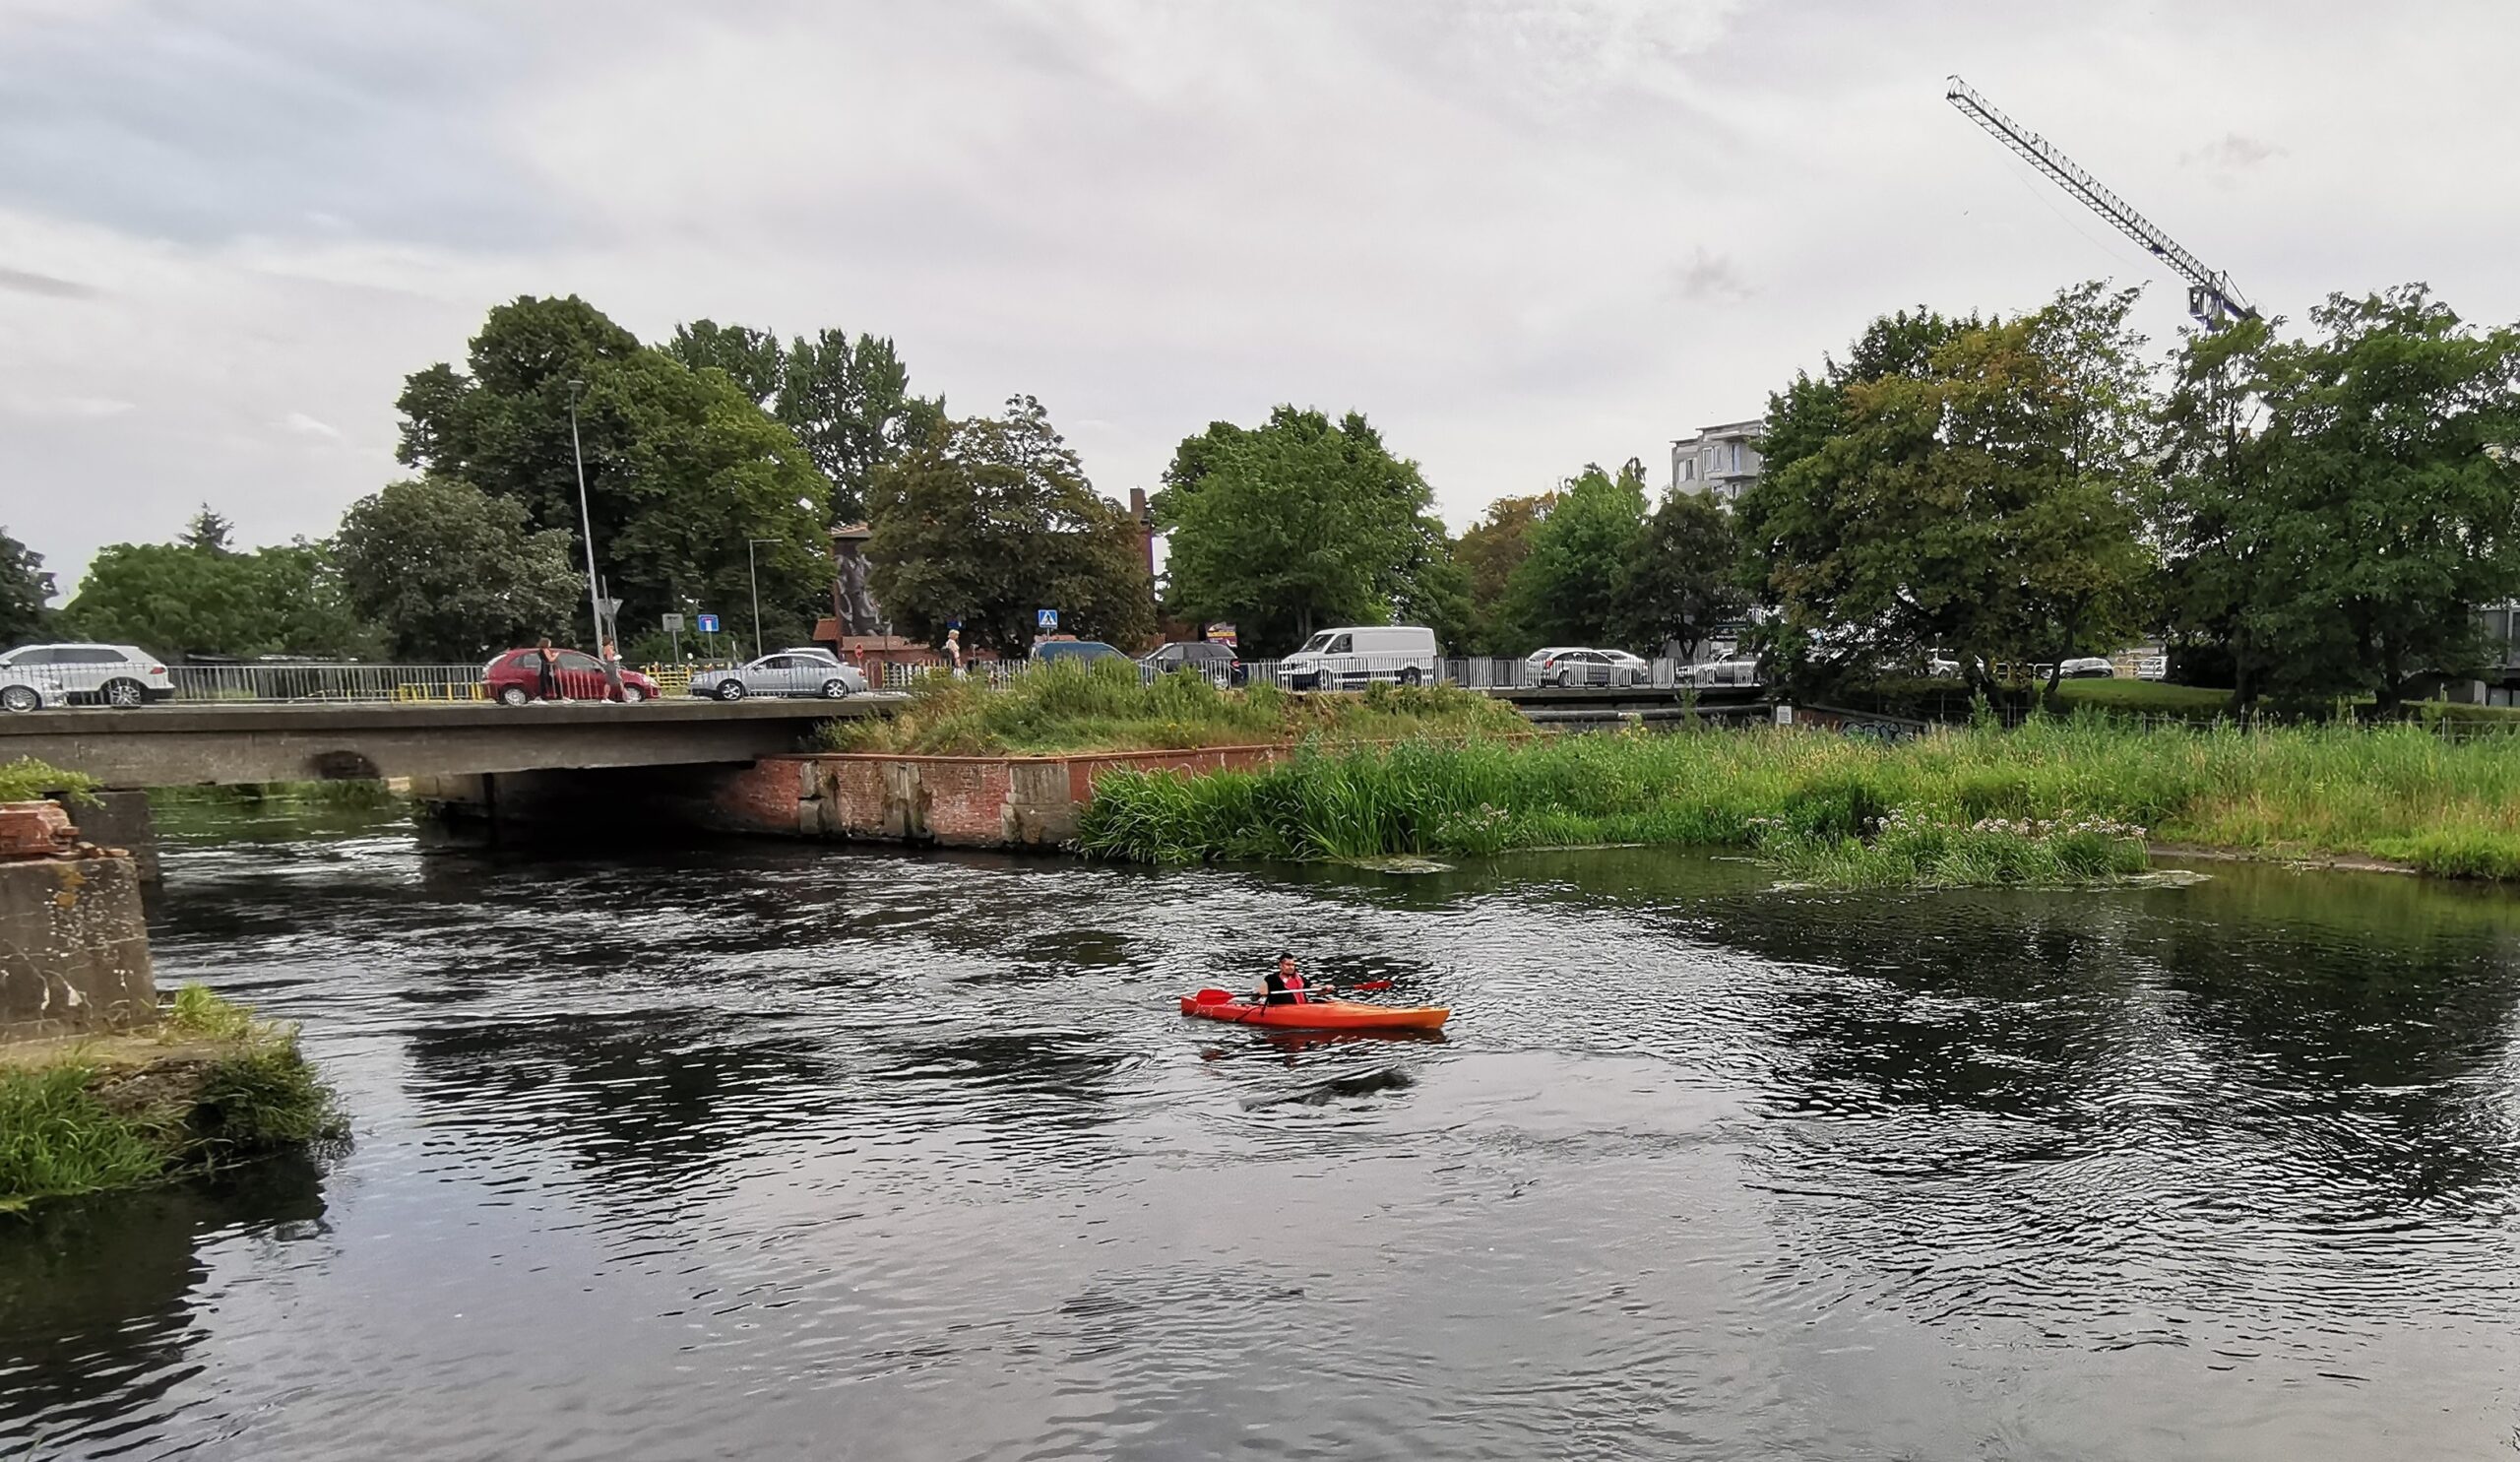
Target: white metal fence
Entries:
(1354, 673)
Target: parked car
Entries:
(29, 688)
(1541, 657)
(1594, 668)
(516, 677)
(1207, 656)
(1732, 669)
(1357, 654)
(2088, 667)
(119, 675)
(1083, 652)
(2153, 667)
(811, 670)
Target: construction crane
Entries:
(2210, 296)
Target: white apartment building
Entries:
(1718, 460)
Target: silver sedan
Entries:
(788, 673)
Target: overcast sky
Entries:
(1518, 234)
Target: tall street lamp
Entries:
(586, 521)
(755, 570)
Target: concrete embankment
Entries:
(100, 1087)
(953, 802)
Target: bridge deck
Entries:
(184, 745)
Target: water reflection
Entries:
(804, 1150)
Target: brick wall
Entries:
(957, 801)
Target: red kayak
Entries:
(1313, 1015)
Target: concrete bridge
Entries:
(191, 746)
(492, 761)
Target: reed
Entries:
(2396, 793)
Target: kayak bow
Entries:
(1314, 1015)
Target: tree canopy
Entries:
(2341, 505)
(1566, 590)
(449, 573)
(1301, 523)
(178, 599)
(1680, 578)
(990, 519)
(1963, 484)
(682, 467)
(1488, 551)
(849, 401)
(26, 592)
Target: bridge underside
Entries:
(189, 746)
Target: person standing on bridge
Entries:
(547, 678)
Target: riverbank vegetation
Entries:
(1107, 707)
(2054, 800)
(27, 780)
(208, 1087)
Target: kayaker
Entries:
(1284, 986)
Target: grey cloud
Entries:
(266, 117)
(1708, 277)
(2232, 152)
(28, 281)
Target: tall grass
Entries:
(57, 1140)
(252, 1092)
(1106, 707)
(2395, 793)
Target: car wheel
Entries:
(513, 695)
(632, 695)
(730, 690)
(21, 699)
(835, 688)
(125, 694)
(1412, 677)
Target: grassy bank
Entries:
(1106, 708)
(2054, 800)
(210, 1086)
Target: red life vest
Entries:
(1285, 990)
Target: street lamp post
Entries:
(586, 521)
(755, 570)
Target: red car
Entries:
(516, 677)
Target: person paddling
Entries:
(1283, 986)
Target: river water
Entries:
(770, 1151)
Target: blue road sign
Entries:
(1048, 619)
(708, 624)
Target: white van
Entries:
(1355, 654)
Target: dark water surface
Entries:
(767, 1151)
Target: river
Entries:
(781, 1151)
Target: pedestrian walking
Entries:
(954, 651)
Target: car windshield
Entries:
(1316, 643)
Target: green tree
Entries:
(849, 401)
(1963, 485)
(1566, 590)
(1680, 578)
(177, 600)
(450, 573)
(1488, 551)
(208, 530)
(2381, 505)
(682, 467)
(1297, 524)
(26, 592)
(751, 359)
(990, 519)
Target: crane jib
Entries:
(2210, 296)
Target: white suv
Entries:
(125, 677)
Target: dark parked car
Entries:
(1207, 656)
(516, 677)
(1083, 652)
